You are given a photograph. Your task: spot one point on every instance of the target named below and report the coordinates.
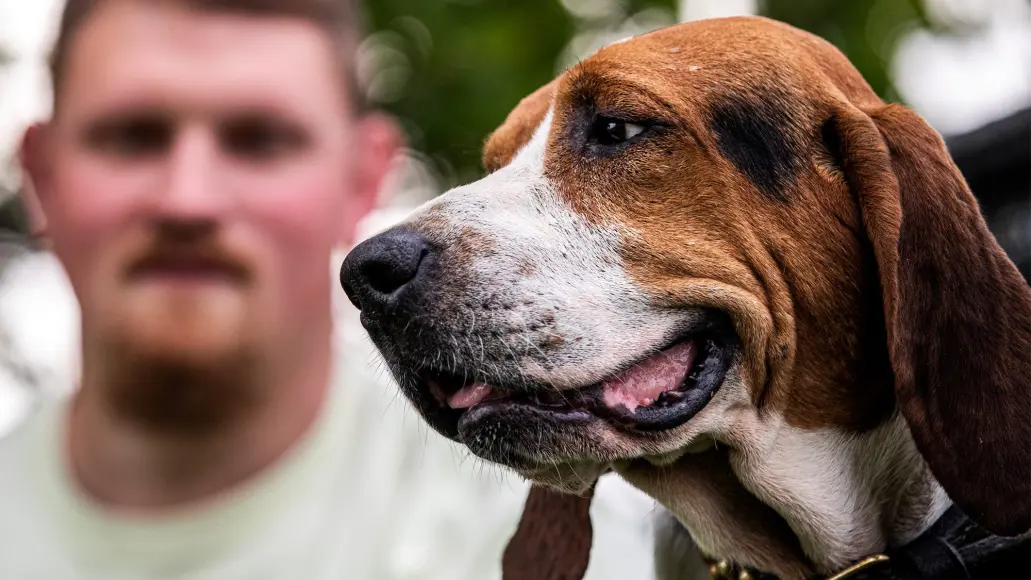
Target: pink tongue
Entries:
(640, 385)
(468, 396)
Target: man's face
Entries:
(197, 174)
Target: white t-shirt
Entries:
(371, 493)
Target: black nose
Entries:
(379, 268)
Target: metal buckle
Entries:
(724, 570)
(859, 567)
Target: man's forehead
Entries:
(131, 49)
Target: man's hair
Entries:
(339, 19)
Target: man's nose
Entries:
(379, 269)
(190, 190)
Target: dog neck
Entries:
(796, 502)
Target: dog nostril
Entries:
(389, 273)
(378, 268)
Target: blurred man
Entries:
(203, 161)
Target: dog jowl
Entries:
(712, 260)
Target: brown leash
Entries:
(553, 540)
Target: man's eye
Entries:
(131, 137)
(608, 131)
(260, 139)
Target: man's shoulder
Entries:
(28, 452)
(20, 449)
(14, 437)
(21, 505)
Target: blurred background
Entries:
(451, 70)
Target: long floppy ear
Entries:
(553, 540)
(958, 313)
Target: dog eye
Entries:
(608, 131)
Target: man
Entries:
(203, 160)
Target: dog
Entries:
(712, 260)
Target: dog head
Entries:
(715, 234)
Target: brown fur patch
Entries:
(526, 268)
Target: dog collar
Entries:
(954, 548)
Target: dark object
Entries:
(378, 269)
(15, 235)
(996, 161)
(13, 218)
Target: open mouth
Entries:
(660, 391)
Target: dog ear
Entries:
(517, 130)
(553, 540)
(957, 311)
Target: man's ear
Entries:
(35, 160)
(378, 143)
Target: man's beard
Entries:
(180, 398)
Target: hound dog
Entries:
(712, 260)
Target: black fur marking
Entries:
(755, 134)
(832, 141)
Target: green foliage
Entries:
(867, 31)
(471, 61)
(457, 67)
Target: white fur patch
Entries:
(846, 496)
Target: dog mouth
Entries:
(661, 390)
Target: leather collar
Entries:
(954, 548)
